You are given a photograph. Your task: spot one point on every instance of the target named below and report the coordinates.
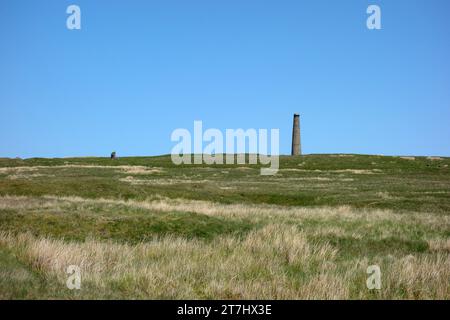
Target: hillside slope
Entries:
(142, 227)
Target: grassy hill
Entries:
(142, 227)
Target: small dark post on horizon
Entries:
(296, 146)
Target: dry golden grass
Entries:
(256, 267)
(439, 245)
(179, 268)
(251, 211)
(352, 171)
(30, 172)
(134, 181)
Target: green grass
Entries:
(420, 184)
(123, 226)
(396, 208)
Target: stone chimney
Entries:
(296, 146)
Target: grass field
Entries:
(142, 227)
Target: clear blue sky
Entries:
(137, 70)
